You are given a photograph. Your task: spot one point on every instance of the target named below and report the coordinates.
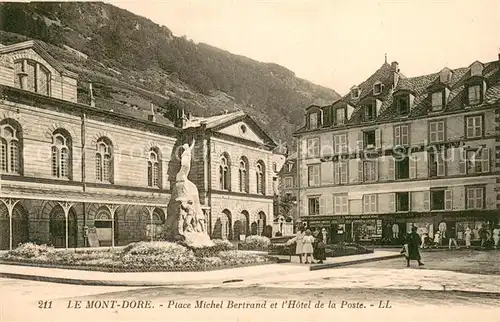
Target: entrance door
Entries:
(57, 228)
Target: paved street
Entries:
(21, 304)
(463, 260)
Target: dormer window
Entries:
(370, 112)
(474, 94)
(355, 92)
(403, 105)
(340, 116)
(445, 75)
(377, 88)
(476, 69)
(437, 101)
(313, 121)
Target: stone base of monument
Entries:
(197, 240)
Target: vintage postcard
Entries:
(246, 160)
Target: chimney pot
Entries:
(395, 66)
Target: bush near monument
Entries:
(138, 257)
(254, 242)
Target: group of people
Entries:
(310, 245)
(487, 236)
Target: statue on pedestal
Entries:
(185, 208)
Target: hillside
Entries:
(131, 60)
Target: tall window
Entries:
(261, 178)
(11, 142)
(340, 116)
(370, 203)
(104, 160)
(437, 101)
(313, 121)
(243, 175)
(32, 76)
(437, 163)
(436, 131)
(154, 172)
(61, 154)
(224, 173)
(403, 105)
(370, 112)
(474, 126)
(401, 135)
(313, 206)
(313, 175)
(474, 94)
(340, 172)
(475, 198)
(313, 147)
(288, 182)
(478, 161)
(369, 171)
(340, 205)
(340, 142)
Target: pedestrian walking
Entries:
(468, 236)
(483, 235)
(307, 245)
(496, 236)
(411, 250)
(452, 238)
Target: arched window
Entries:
(32, 76)
(224, 172)
(154, 170)
(243, 175)
(104, 160)
(61, 154)
(11, 146)
(261, 178)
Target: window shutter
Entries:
(336, 172)
(413, 167)
(366, 204)
(360, 170)
(360, 141)
(427, 199)
(378, 139)
(305, 207)
(378, 105)
(392, 167)
(331, 205)
(376, 169)
(335, 144)
(448, 200)
(462, 161)
(350, 109)
(392, 202)
(397, 135)
(486, 159)
(345, 205)
(343, 172)
(322, 202)
(441, 170)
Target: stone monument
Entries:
(185, 218)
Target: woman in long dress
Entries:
(468, 237)
(298, 239)
(319, 246)
(307, 247)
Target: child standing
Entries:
(307, 245)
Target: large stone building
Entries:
(399, 151)
(69, 168)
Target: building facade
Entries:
(398, 152)
(70, 168)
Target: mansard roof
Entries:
(420, 87)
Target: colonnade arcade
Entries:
(63, 223)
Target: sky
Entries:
(336, 43)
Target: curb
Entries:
(359, 261)
(74, 281)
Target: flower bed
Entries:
(335, 250)
(261, 243)
(136, 257)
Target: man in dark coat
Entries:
(413, 243)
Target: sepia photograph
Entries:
(250, 160)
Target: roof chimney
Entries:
(395, 71)
(91, 91)
(152, 114)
